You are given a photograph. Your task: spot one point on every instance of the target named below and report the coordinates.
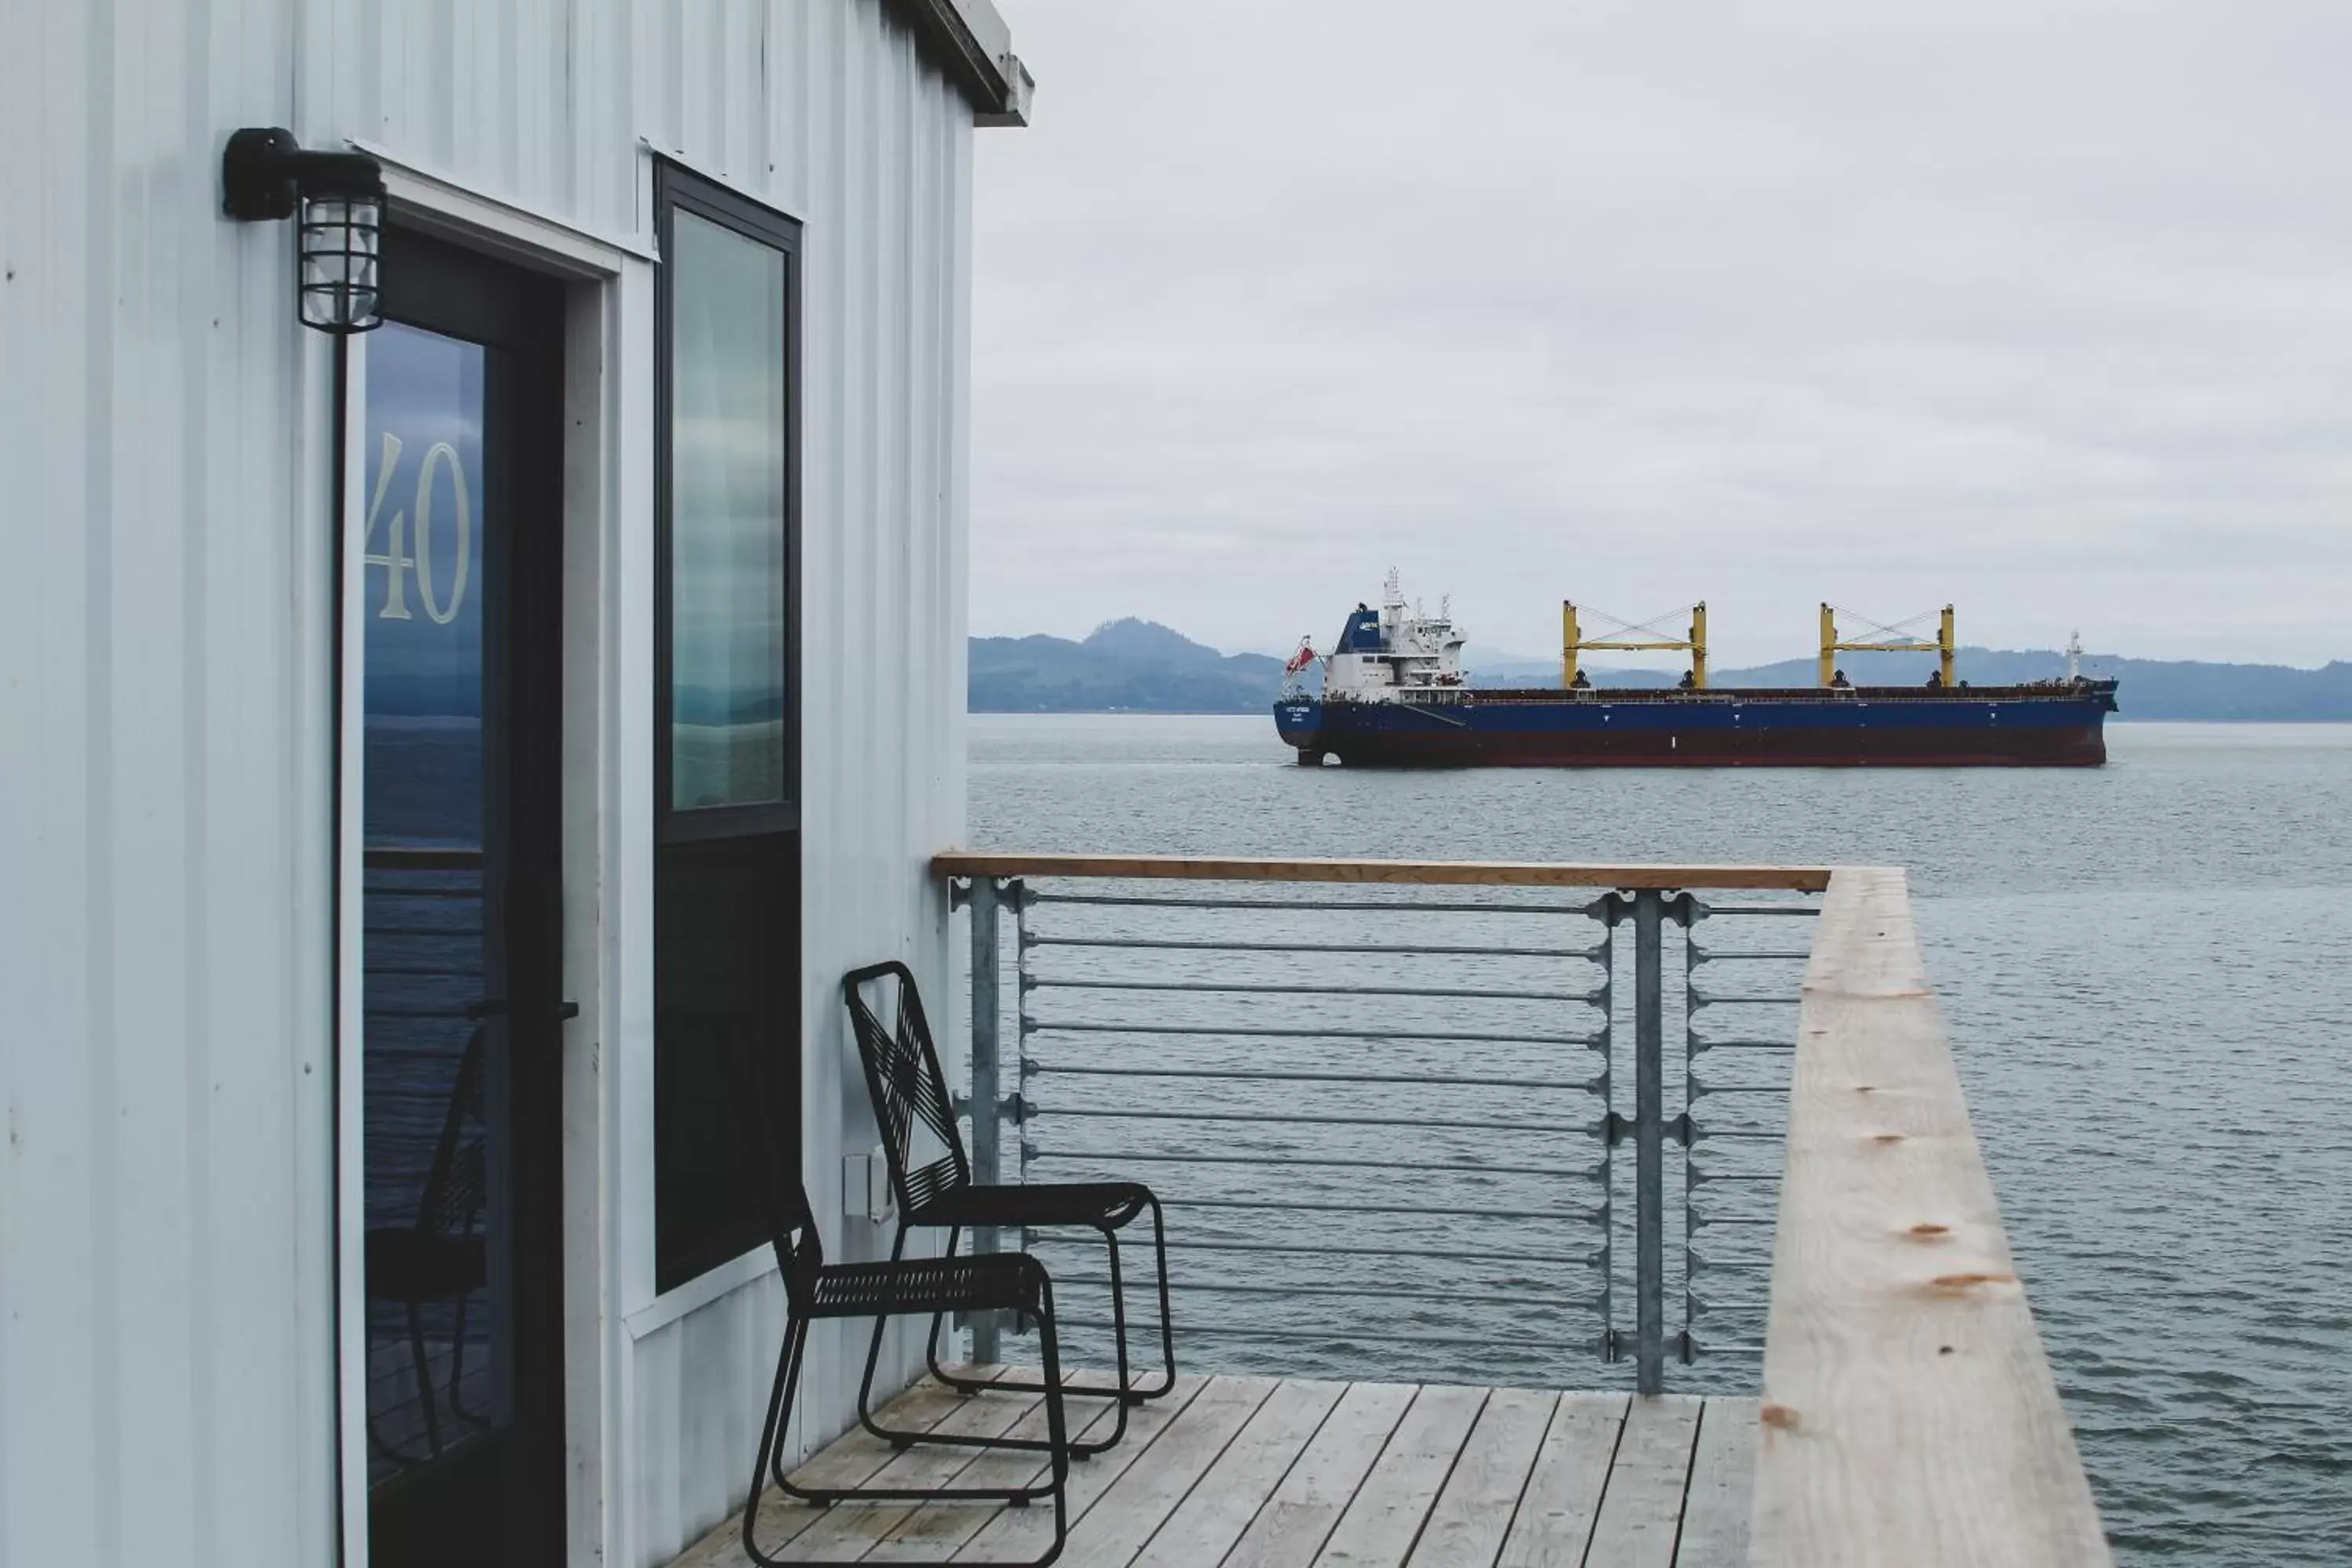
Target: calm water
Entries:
(2148, 972)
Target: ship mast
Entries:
(1632, 637)
(1892, 639)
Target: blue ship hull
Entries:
(2059, 724)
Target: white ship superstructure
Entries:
(1391, 651)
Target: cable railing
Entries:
(1418, 1130)
(1342, 1201)
(1739, 1037)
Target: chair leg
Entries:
(873, 1359)
(769, 1462)
(902, 1438)
(1117, 1334)
(1166, 1318)
(1057, 1427)
(423, 1370)
(961, 1385)
(772, 1437)
(457, 1364)
(788, 1373)
(377, 1442)
(964, 1384)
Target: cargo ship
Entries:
(1394, 695)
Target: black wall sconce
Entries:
(265, 176)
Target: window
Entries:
(727, 718)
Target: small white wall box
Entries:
(865, 1187)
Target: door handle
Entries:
(499, 1007)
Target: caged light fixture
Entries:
(266, 175)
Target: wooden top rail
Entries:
(1909, 1416)
(1431, 873)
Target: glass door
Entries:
(461, 1046)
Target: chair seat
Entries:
(1111, 1204)
(1012, 1280)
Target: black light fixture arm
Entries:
(265, 172)
(338, 238)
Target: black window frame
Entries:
(678, 189)
(704, 1216)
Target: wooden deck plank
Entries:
(1123, 1518)
(1385, 1516)
(1472, 1514)
(1299, 1517)
(849, 1460)
(1554, 1524)
(1722, 1486)
(934, 1531)
(1641, 1511)
(1427, 873)
(1016, 1534)
(1249, 1472)
(1909, 1412)
(1207, 1522)
(848, 1530)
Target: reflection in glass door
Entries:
(461, 1048)
(439, 1370)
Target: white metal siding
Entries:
(166, 1363)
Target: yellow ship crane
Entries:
(1890, 639)
(1631, 637)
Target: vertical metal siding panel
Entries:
(953, 391)
(97, 1339)
(579, 128)
(702, 76)
(581, 153)
(747, 98)
(528, 53)
(917, 741)
(440, 82)
(203, 1241)
(144, 1282)
(314, 76)
(706, 1397)
(147, 1303)
(260, 1434)
(466, 72)
(790, 31)
(956, 337)
(49, 1437)
(661, 1398)
(841, 885)
(894, 279)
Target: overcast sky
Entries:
(2042, 307)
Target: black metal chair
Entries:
(909, 1092)
(815, 1289)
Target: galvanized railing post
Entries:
(1606, 910)
(1648, 1143)
(985, 1099)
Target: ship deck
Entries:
(1234, 1470)
(2046, 691)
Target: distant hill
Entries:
(1123, 667)
(1140, 666)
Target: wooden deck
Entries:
(1258, 1471)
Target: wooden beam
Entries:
(1426, 873)
(1909, 1414)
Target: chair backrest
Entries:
(767, 1155)
(911, 1102)
(457, 1185)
